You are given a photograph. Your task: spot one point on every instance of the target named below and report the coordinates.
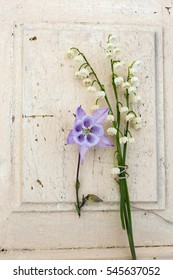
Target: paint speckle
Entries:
(40, 183)
(33, 38)
(168, 9)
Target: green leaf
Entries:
(77, 209)
(93, 198)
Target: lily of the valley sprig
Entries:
(122, 121)
(87, 132)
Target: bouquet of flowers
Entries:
(88, 131)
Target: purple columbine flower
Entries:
(88, 131)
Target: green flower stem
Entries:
(122, 198)
(122, 206)
(116, 94)
(127, 216)
(77, 186)
(130, 235)
(97, 79)
(126, 130)
(125, 210)
(79, 204)
(82, 66)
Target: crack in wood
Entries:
(38, 116)
(151, 212)
(85, 248)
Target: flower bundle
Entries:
(88, 131)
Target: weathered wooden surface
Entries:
(39, 95)
(49, 97)
(156, 253)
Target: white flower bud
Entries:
(137, 64)
(118, 81)
(123, 140)
(116, 51)
(126, 85)
(115, 171)
(110, 118)
(78, 58)
(133, 70)
(83, 73)
(137, 122)
(91, 89)
(111, 131)
(124, 109)
(136, 98)
(70, 54)
(137, 126)
(77, 75)
(110, 46)
(118, 65)
(135, 81)
(95, 107)
(131, 140)
(113, 39)
(100, 94)
(130, 117)
(132, 90)
(109, 54)
(87, 82)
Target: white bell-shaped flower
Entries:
(111, 131)
(126, 85)
(135, 81)
(91, 89)
(137, 122)
(123, 140)
(78, 58)
(87, 82)
(100, 94)
(70, 54)
(131, 140)
(119, 81)
(115, 171)
(124, 109)
(113, 39)
(130, 117)
(110, 118)
(95, 107)
(132, 90)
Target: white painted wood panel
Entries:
(50, 95)
(38, 98)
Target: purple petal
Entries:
(88, 121)
(78, 127)
(105, 142)
(70, 139)
(100, 115)
(80, 113)
(79, 139)
(82, 151)
(97, 129)
(91, 140)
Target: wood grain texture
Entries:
(50, 95)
